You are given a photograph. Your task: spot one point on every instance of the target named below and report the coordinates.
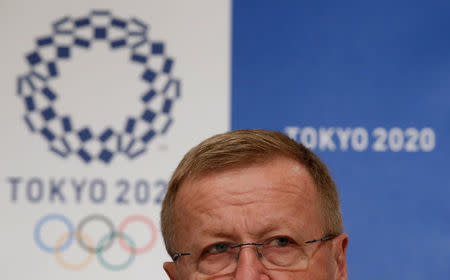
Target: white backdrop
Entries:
(89, 81)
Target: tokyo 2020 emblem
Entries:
(64, 135)
(86, 242)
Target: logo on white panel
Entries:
(66, 136)
(91, 246)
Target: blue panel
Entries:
(349, 64)
(48, 114)
(106, 155)
(148, 136)
(137, 33)
(149, 75)
(29, 103)
(52, 70)
(61, 22)
(137, 153)
(35, 75)
(58, 26)
(167, 105)
(100, 33)
(157, 48)
(62, 152)
(45, 41)
(118, 43)
(29, 83)
(49, 94)
(166, 126)
(82, 22)
(67, 125)
(34, 58)
(106, 135)
(148, 115)
(29, 123)
(139, 58)
(20, 81)
(85, 134)
(149, 95)
(130, 125)
(140, 23)
(63, 52)
(84, 155)
(167, 65)
(101, 13)
(129, 146)
(82, 42)
(47, 134)
(118, 23)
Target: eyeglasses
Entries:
(275, 253)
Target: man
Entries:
(253, 204)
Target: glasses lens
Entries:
(214, 263)
(275, 254)
(290, 256)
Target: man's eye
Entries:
(217, 248)
(281, 242)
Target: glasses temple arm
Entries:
(328, 237)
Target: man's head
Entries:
(253, 186)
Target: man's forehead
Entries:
(255, 200)
(278, 169)
(280, 177)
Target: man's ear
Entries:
(340, 244)
(170, 269)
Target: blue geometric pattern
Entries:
(63, 134)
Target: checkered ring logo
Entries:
(64, 135)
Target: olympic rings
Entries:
(149, 245)
(86, 243)
(90, 218)
(37, 232)
(111, 237)
(60, 259)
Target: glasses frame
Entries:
(176, 256)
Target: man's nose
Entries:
(249, 265)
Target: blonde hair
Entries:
(240, 148)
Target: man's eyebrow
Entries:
(218, 233)
(208, 236)
(263, 233)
